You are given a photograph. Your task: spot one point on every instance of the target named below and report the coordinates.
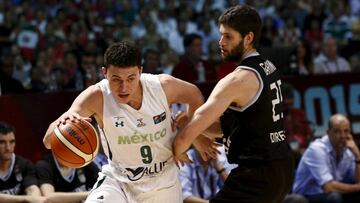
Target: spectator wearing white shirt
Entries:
(329, 61)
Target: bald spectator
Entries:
(329, 170)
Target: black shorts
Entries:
(267, 183)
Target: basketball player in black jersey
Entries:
(17, 174)
(63, 184)
(248, 102)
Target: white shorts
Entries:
(109, 190)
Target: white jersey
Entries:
(138, 143)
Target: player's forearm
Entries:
(194, 199)
(67, 197)
(214, 131)
(181, 144)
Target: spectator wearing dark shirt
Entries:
(9, 85)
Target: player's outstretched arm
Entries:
(238, 88)
(87, 103)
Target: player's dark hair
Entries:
(122, 54)
(243, 19)
(6, 128)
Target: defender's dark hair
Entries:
(122, 55)
(6, 128)
(243, 19)
(189, 38)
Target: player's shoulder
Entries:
(92, 93)
(239, 75)
(22, 161)
(163, 78)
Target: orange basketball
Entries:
(75, 143)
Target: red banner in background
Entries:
(324, 95)
(319, 96)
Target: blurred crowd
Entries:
(55, 45)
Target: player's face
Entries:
(124, 82)
(7, 146)
(339, 133)
(231, 44)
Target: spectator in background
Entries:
(290, 33)
(192, 68)
(337, 24)
(302, 62)
(17, 174)
(329, 170)
(297, 126)
(226, 68)
(151, 61)
(314, 35)
(329, 61)
(202, 179)
(89, 68)
(9, 85)
(62, 184)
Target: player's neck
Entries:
(248, 52)
(136, 100)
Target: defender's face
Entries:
(7, 146)
(231, 43)
(124, 82)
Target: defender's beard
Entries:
(236, 54)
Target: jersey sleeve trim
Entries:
(256, 97)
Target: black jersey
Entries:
(255, 133)
(20, 176)
(83, 179)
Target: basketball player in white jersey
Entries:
(132, 111)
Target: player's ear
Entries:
(249, 37)
(104, 71)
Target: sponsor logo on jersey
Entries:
(268, 67)
(277, 136)
(159, 118)
(12, 191)
(140, 122)
(137, 137)
(135, 174)
(118, 122)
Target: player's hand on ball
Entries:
(72, 116)
(206, 147)
(182, 159)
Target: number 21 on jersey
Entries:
(277, 87)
